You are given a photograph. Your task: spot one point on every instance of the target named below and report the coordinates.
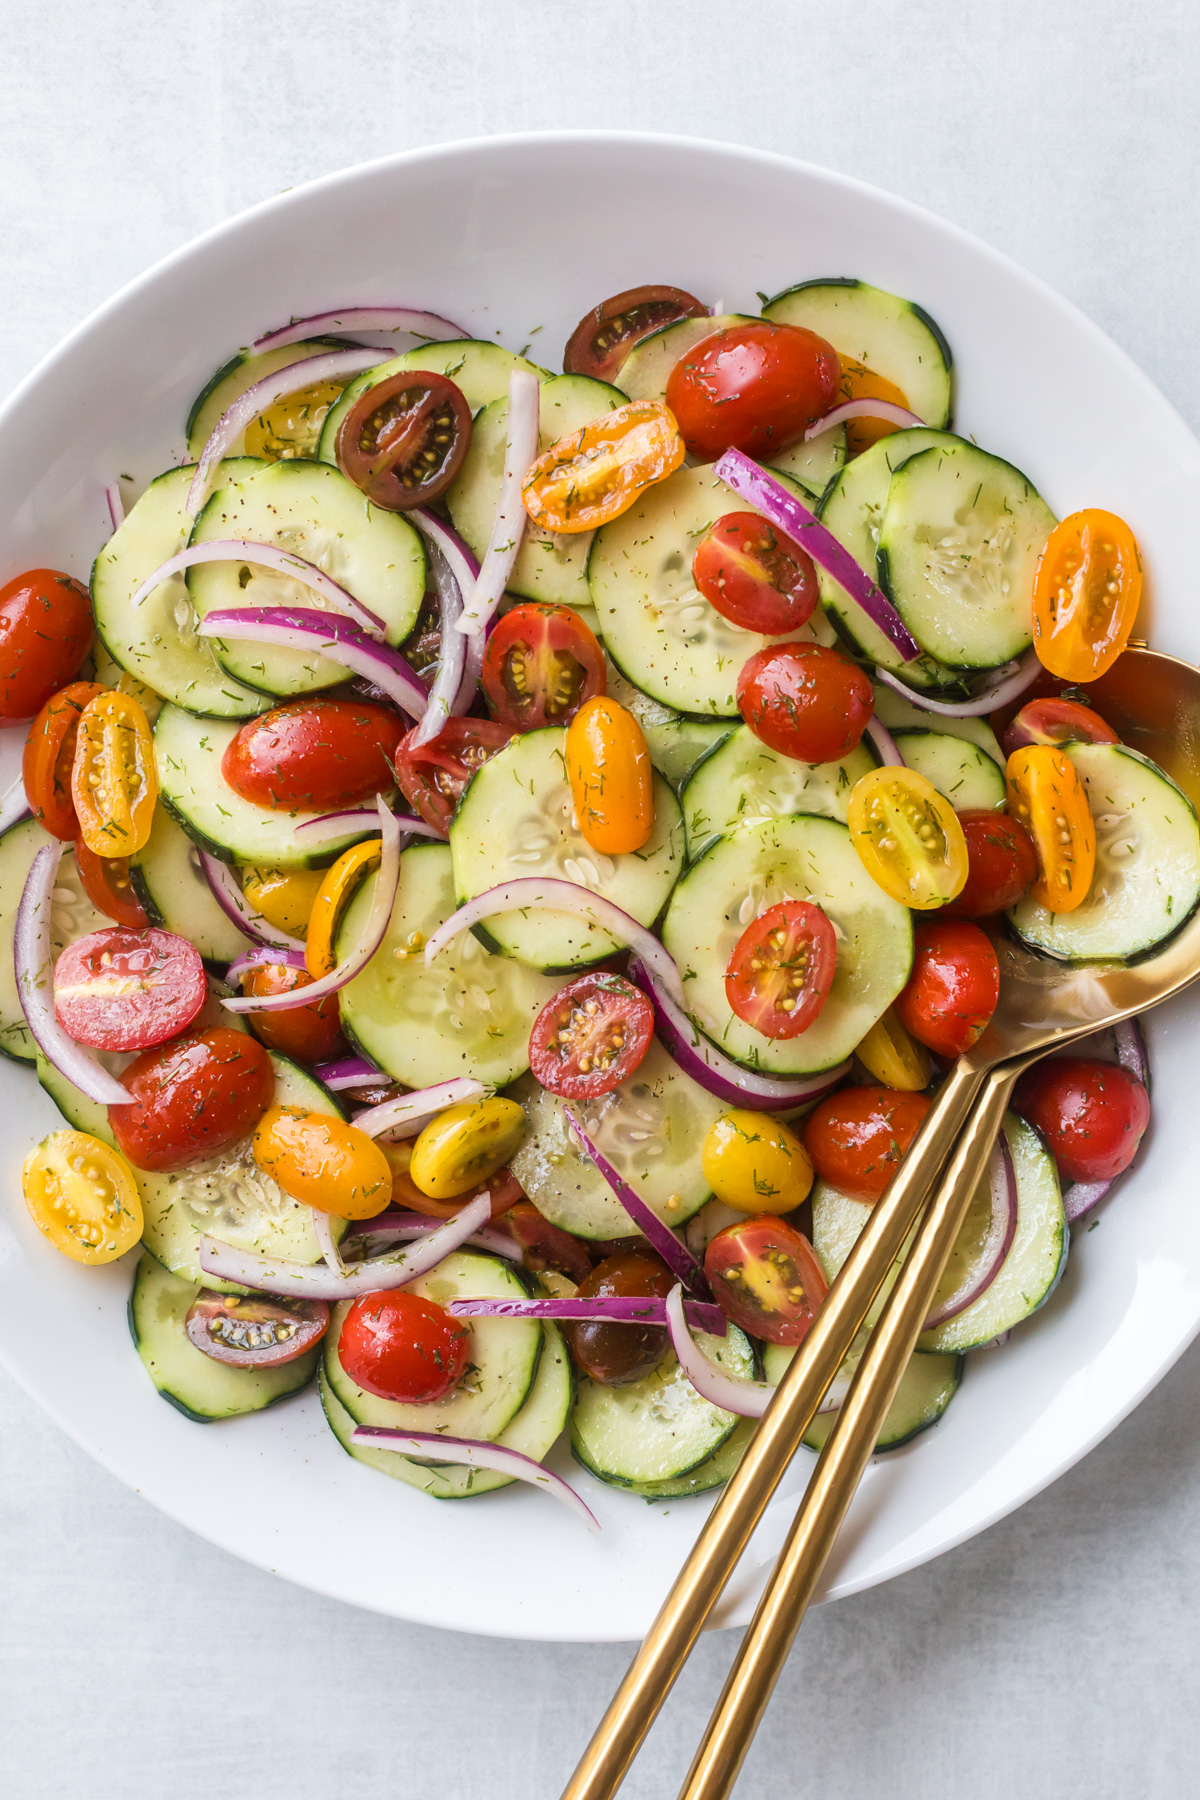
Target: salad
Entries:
(501, 860)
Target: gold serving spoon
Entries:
(1153, 702)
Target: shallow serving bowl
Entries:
(516, 238)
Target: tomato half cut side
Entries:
(119, 989)
(404, 440)
(597, 473)
(908, 838)
(50, 756)
(540, 665)
(1086, 594)
(591, 1036)
(106, 882)
(782, 969)
(403, 1347)
(766, 1278)
(1047, 796)
(604, 337)
(114, 777)
(82, 1196)
(434, 776)
(754, 576)
(1057, 721)
(254, 1331)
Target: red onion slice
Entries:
(1130, 1046)
(323, 1232)
(452, 651)
(886, 747)
(33, 965)
(430, 327)
(429, 1446)
(996, 1246)
(348, 1072)
(409, 1112)
(282, 562)
(333, 635)
(403, 1226)
(228, 895)
(863, 409)
(673, 1251)
(732, 1393)
(1006, 684)
(14, 804)
(116, 506)
(614, 1310)
(520, 452)
(773, 500)
(361, 818)
(465, 570)
(263, 956)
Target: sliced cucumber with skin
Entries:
(799, 857)
(958, 550)
(551, 566)
(965, 774)
(468, 1013)
(478, 369)
(744, 782)
(658, 1428)
(157, 641)
(897, 714)
(312, 511)
(241, 372)
(169, 881)
(927, 1387)
(718, 1469)
(679, 746)
(533, 1432)
(72, 916)
(895, 338)
(516, 819)
(1147, 879)
(200, 1387)
(651, 1129)
(815, 463)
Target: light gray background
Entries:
(1054, 1657)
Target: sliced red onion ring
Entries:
(430, 327)
(1130, 1045)
(348, 1072)
(14, 804)
(387, 880)
(323, 1232)
(405, 1225)
(995, 1247)
(714, 1071)
(465, 570)
(338, 364)
(863, 409)
(452, 652)
(732, 1393)
(116, 506)
(233, 903)
(1006, 684)
(33, 965)
(886, 747)
(409, 1112)
(606, 1309)
(773, 500)
(673, 1251)
(314, 1281)
(429, 1446)
(282, 562)
(520, 452)
(561, 896)
(333, 635)
(263, 955)
(360, 818)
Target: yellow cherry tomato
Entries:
(292, 426)
(83, 1196)
(284, 897)
(114, 781)
(459, 1149)
(859, 383)
(596, 474)
(324, 1162)
(1086, 594)
(611, 777)
(755, 1164)
(1046, 793)
(908, 837)
(892, 1057)
(339, 884)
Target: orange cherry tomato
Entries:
(114, 780)
(596, 474)
(1086, 594)
(323, 1162)
(608, 767)
(860, 383)
(105, 881)
(338, 887)
(1046, 794)
(310, 1034)
(50, 755)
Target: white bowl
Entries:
(516, 238)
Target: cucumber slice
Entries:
(658, 1428)
(516, 818)
(678, 746)
(499, 1376)
(815, 464)
(470, 1013)
(898, 714)
(480, 370)
(533, 1432)
(550, 566)
(241, 372)
(894, 337)
(72, 916)
(1147, 879)
(169, 881)
(646, 370)
(313, 510)
(965, 774)
(927, 1387)
(744, 782)
(958, 549)
(706, 1475)
(201, 1387)
(652, 1130)
(659, 630)
(796, 858)
(188, 752)
(157, 640)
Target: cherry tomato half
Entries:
(1092, 1114)
(339, 884)
(119, 989)
(45, 630)
(1001, 865)
(591, 1036)
(403, 1347)
(540, 665)
(114, 778)
(893, 1057)
(766, 1278)
(314, 755)
(254, 1331)
(1086, 594)
(782, 969)
(597, 473)
(284, 897)
(546, 1246)
(310, 1034)
(106, 882)
(805, 701)
(908, 837)
(1057, 721)
(292, 427)
(404, 440)
(755, 1163)
(50, 756)
(604, 337)
(860, 383)
(954, 986)
(611, 777)
(192, 1098)
(434, 777)
(1046, 795)
(754, 387)
(858, 1136)
(754, 576)
(83, 1197)
(615, 1354)
(323, 1162)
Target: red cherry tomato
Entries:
(45, 630)
(604, 337)
(616, 1354)
(540, 665)
(314, 755)
(434, 777)
(192, 1098)
(404, 440)
(1092, 1114)
(805, 701)
(591, 1036)
(954, 986)
(106, 882)
(857, 1137)
(766, 1278)
(50, 756)
(547, 1246)
(309, 1034)
(782, 968)
(119, 989)
(755, 388)
(403, 1347)
(1002, 865)
(1057, 721)
(755, 576)
(254, 1331)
